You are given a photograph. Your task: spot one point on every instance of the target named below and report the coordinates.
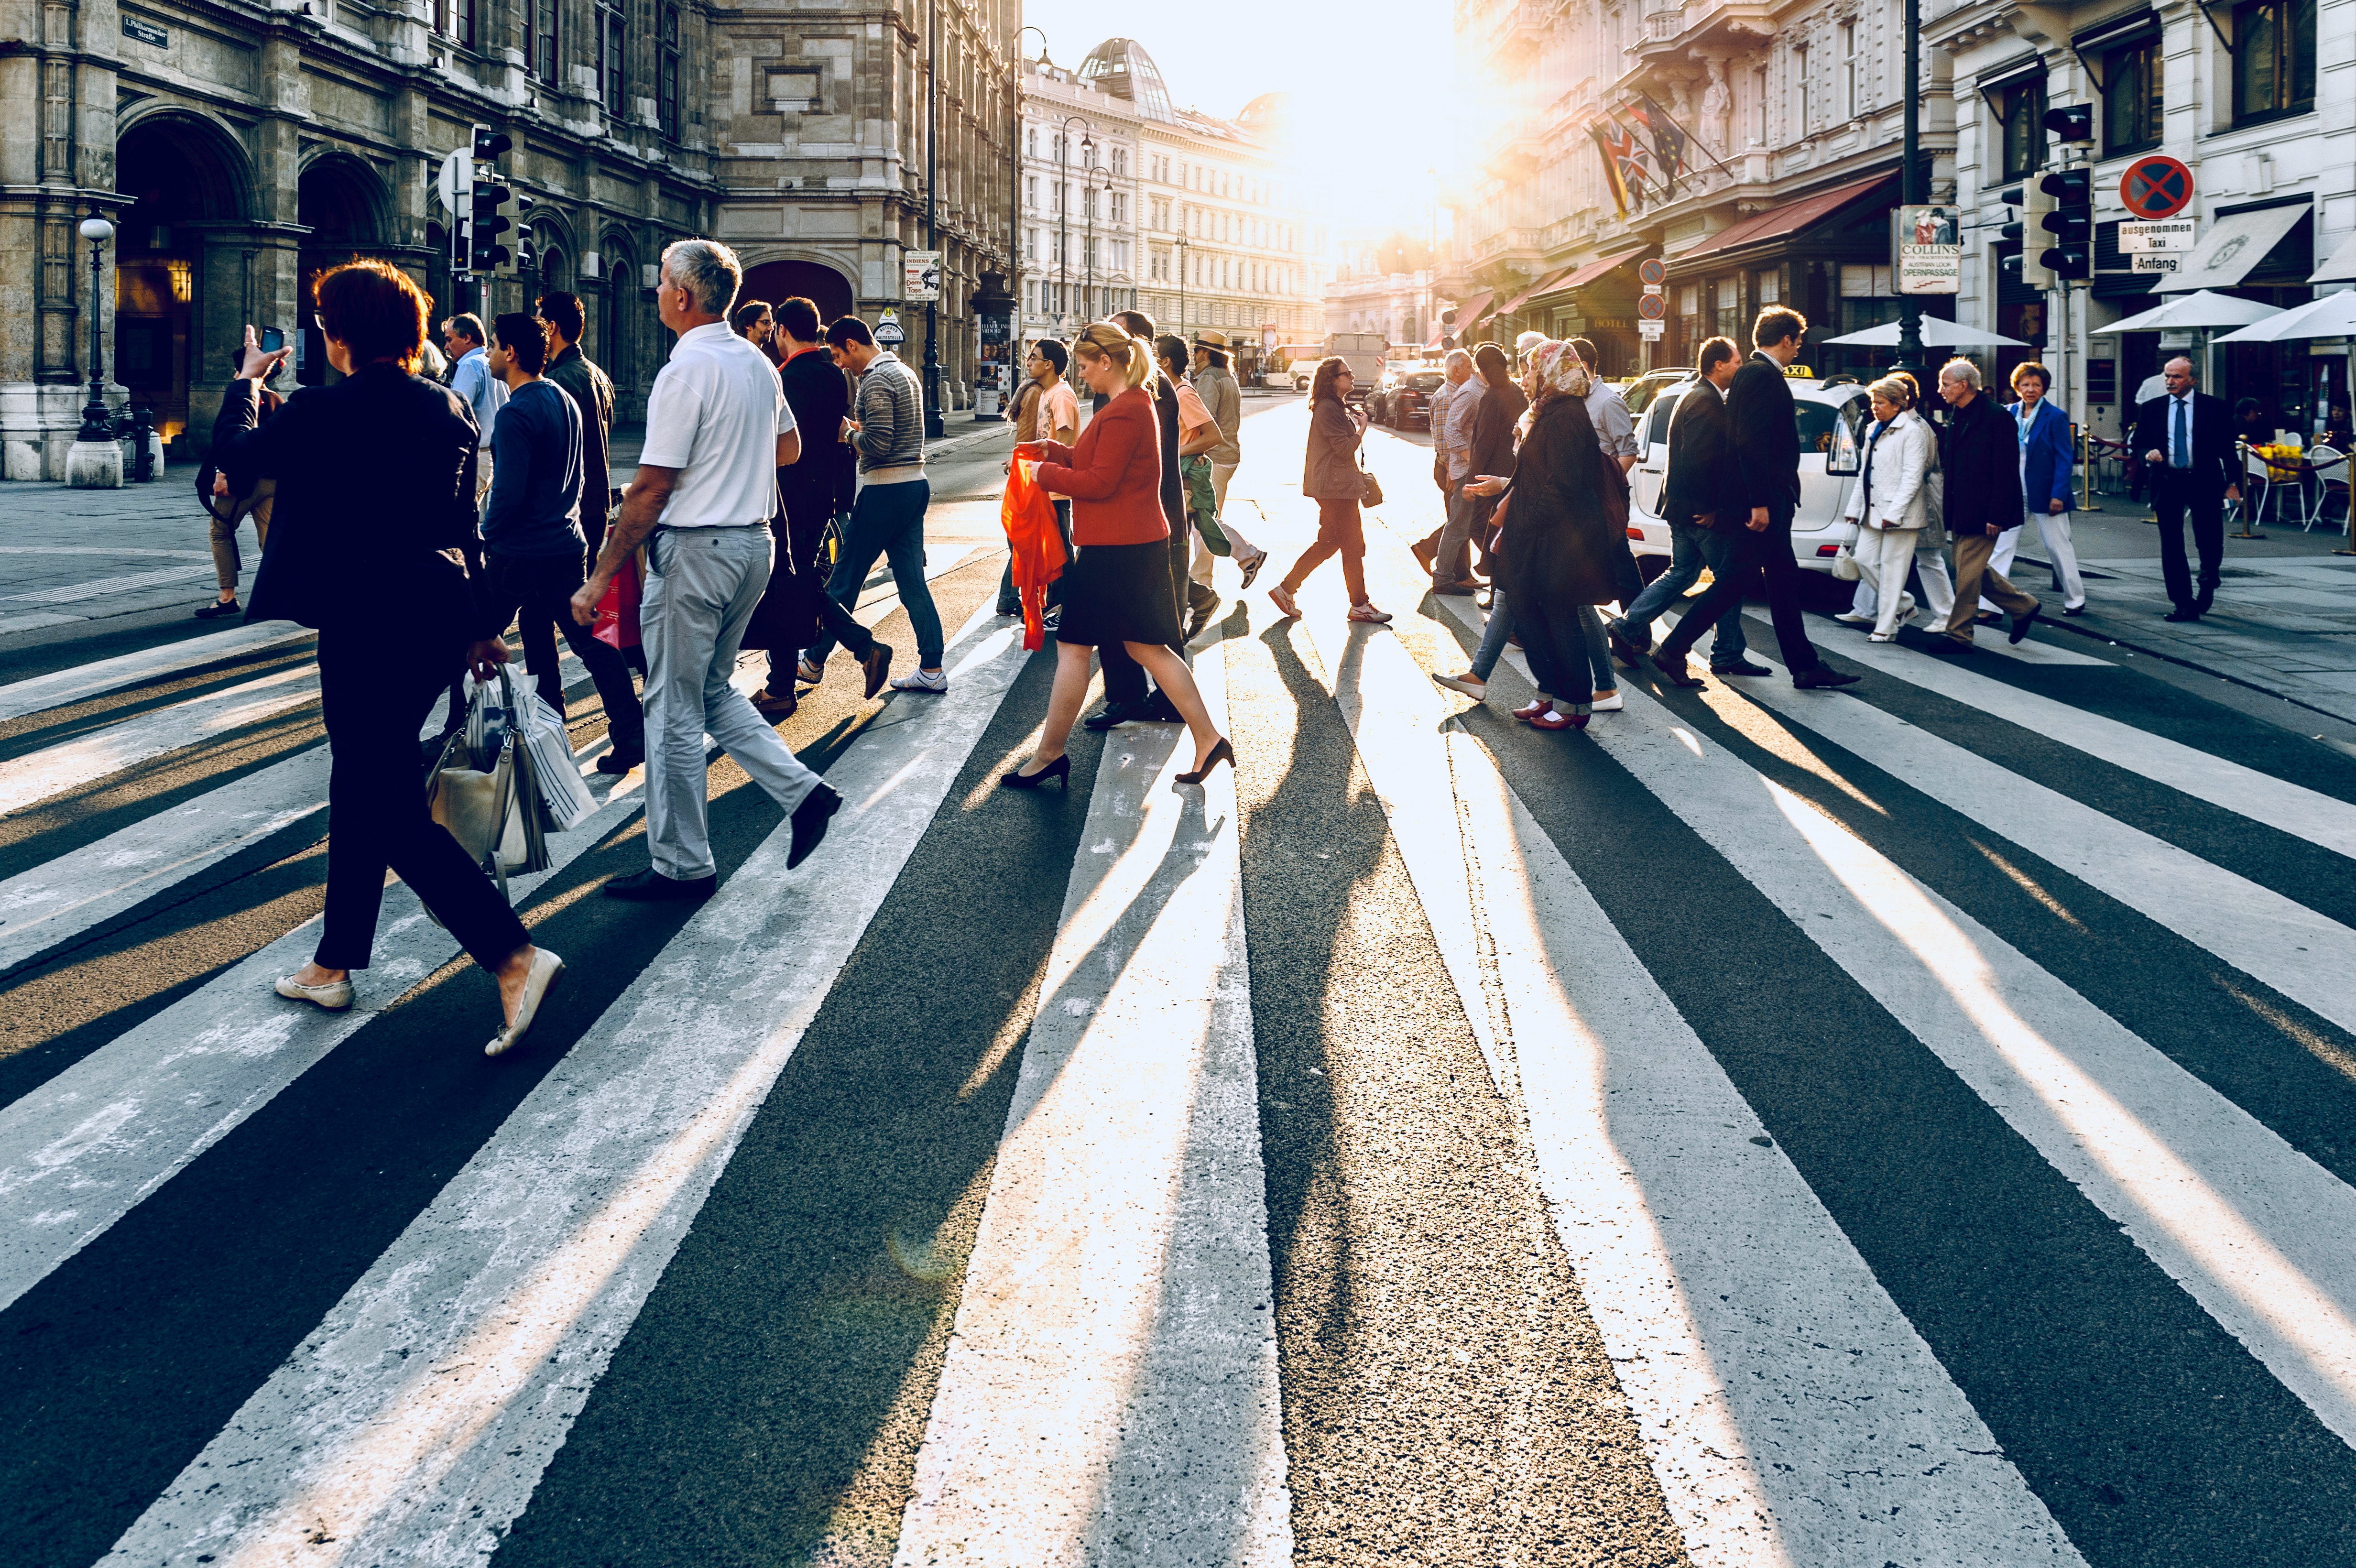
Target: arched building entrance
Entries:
(340, 201)
(187, 180)
(820, 284)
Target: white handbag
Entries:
(1845, 564)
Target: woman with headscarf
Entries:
(1558, 556)
(1330, 477)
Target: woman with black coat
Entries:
(1330, 477)
(375, 512)
(1558, 554)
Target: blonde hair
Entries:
(1111, 340)
(1897, 391)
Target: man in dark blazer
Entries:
(811, 493)
(2186, 438)
(1698, 489)
(1979, 452)
(1764, 428)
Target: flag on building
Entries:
(1624, 161)
(1668, 140)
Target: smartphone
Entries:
(272, 339)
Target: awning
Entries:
(1469, 313)
(1545, 285)
(1781, 222)
(2231, 249)
(2341, 267)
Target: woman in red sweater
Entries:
(1117, 586)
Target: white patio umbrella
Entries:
(2202, 308)
(2333, 315)
(1936, 334)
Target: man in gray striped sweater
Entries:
(887, 429)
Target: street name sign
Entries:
(2161, 234)
(920, 275)
(2155, 186)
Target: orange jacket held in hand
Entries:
(1028, 514)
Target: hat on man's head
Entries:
(1209, 339)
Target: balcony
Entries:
(1670, 30)
(1517, 147)
(1510, 244)
(1521, 30)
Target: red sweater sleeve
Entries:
(1095, 472)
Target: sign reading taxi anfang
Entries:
(1926, 249)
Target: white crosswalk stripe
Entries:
(1113, 1375)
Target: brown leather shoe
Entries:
(774, 708)
(876, 667)
(1426, 552)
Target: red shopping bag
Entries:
(1028, 515)
(616, 625)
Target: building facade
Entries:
(241, 148)
(1790, 123)
(1385, 283)
(2255, 98)
(1198, 222)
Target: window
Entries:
(539, 38)
(2274, 58)
(1850, 106)
(1031, 150)
(1807, 104)
(613, 50)
(2021, 117)
(1031, 191)
(1758, 102)
(1120, 163)
(2131, 99)
(667, 73)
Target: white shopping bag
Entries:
(553, 771)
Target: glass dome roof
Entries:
(1122, 67)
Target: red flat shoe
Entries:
(1550, 719)
(1529, 712)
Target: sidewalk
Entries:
(2283, 621)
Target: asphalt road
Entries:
(1901, 1126)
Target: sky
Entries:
(1358, 70)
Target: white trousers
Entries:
(1198, 570)
(2053, 534)
(1938, 584)
(703, 586)
(1883, 557)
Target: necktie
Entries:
(2180, 454)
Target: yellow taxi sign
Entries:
(1799, 373)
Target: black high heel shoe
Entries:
(1222, 752)
(1061, 768)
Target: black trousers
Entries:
(2175, 493)
(1124, 677)
(804, 535)
(538, 590)
(1767, 553)
(375, 691)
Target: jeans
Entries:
(541, 588)
(1493, 637)
(375, 690)
(888, 520)
(703, 586)
(1452, 566)
(1691, 547)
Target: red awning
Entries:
(1469, 313)
(1545, 285)
(1783, 221)
(1570, 278)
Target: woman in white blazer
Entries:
(1890, 503)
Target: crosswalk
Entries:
(1915, 1129)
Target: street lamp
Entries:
(1911, 191)
(1064, 214)
(1014, 256)
(97, 424)
(934, 428)
(1089, 290)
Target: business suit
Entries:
(1980, 458)
(2046, 466)
(375, 515)
(2193, 481)
(1701, 452)
(1763, 432)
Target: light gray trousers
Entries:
(703, 586)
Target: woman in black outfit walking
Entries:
(375, 503)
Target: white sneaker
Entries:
(936, 681)
(1612, 704)
(1851, 618)
(809, 673)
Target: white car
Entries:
(1832, 417)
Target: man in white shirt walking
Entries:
(718, 428)
(471, 379)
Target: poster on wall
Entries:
(1926, 249)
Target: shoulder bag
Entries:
(1370, 489)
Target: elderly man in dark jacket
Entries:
(1979, 452)
(1763, 429)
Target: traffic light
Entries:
(487, 200)
(2070, 223)
(2031, 201)
(2074, 122)
(512, 216)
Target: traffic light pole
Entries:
(1910, 192)
(934, 428)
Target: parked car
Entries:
(1641, 390)
(1832, 418)
(1402, 398)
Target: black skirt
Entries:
(1120, 593)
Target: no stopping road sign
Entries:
(2155, 186)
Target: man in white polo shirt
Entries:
(718, 428)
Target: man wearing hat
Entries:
(1216, 385)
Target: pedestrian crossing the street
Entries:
(1906, 1126)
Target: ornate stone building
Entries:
(240, 147)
